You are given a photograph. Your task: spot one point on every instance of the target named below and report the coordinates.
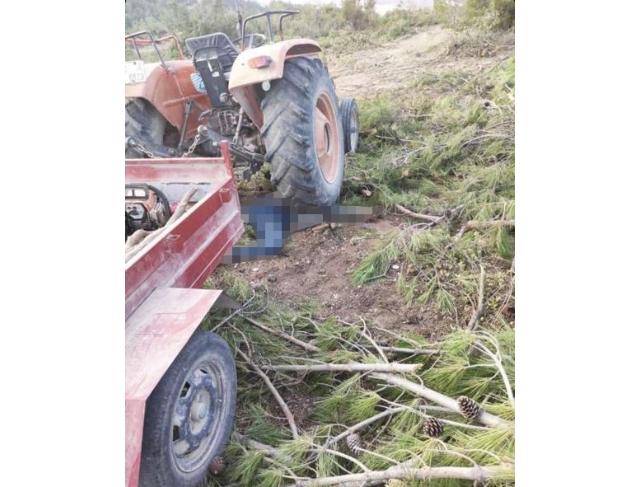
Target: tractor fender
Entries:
(242, 74)
(243, 77)
(154, 336)
(167, 89)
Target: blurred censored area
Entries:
(274, 218)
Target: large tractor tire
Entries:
(302, 134)
(144, 123)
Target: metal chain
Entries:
(196, 141)
(144, 150)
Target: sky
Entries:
(382, 6)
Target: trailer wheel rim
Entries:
(194, 417)
(326, 138)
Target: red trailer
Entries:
(180, 382)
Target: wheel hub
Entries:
(193, 415)
(325, 138)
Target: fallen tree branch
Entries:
(365, 334)
(392, 367)
(410, 351)
(341, 455)
(485, 418)
(497, 360)
(362, 424)
(266, 449)
(479, 225)
(182, 206)
(418, 412)
(276, 394)
(478, 473)
(478, 312)
(135, 238)
(420, 216)
(281, 334)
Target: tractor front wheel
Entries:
(303, 135)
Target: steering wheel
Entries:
(252, 40)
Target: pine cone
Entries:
(353, 443)
(433, 427)
(468, 407)
(216, 466)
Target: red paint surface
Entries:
(162, 309)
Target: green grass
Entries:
(452, 154)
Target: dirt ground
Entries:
(316, 264)
(393, 66)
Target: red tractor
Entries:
(273, 102)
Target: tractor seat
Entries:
(218, 43)
(213, 57)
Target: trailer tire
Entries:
(350, 124)
(189, 415)
(142, 122)
(302, 133)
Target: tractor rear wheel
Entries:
(302, 133)
(142, 122)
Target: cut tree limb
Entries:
(135, 238)
(479, 225)
(478, 312)
(266, 449)
(420, 216)
(477, 473)
(362, 424)
(182, 206)
(281, 334)
(484, 418)
(392, 367)
(410, 351)
(276, 395)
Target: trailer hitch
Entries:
(252, 160)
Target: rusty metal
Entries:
(168, 90)
(133, 39)
(242, 74)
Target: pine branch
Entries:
(135, 238)
(289, 338)
(410, 351)
(365, 333)
(479, 473)
(276, 395)
(362, 424)
(392, 367)
(478, 312)
(478, 225)
(497, 360)
(420, 216)
(485, 418)
(266, 449)
(182, 206)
